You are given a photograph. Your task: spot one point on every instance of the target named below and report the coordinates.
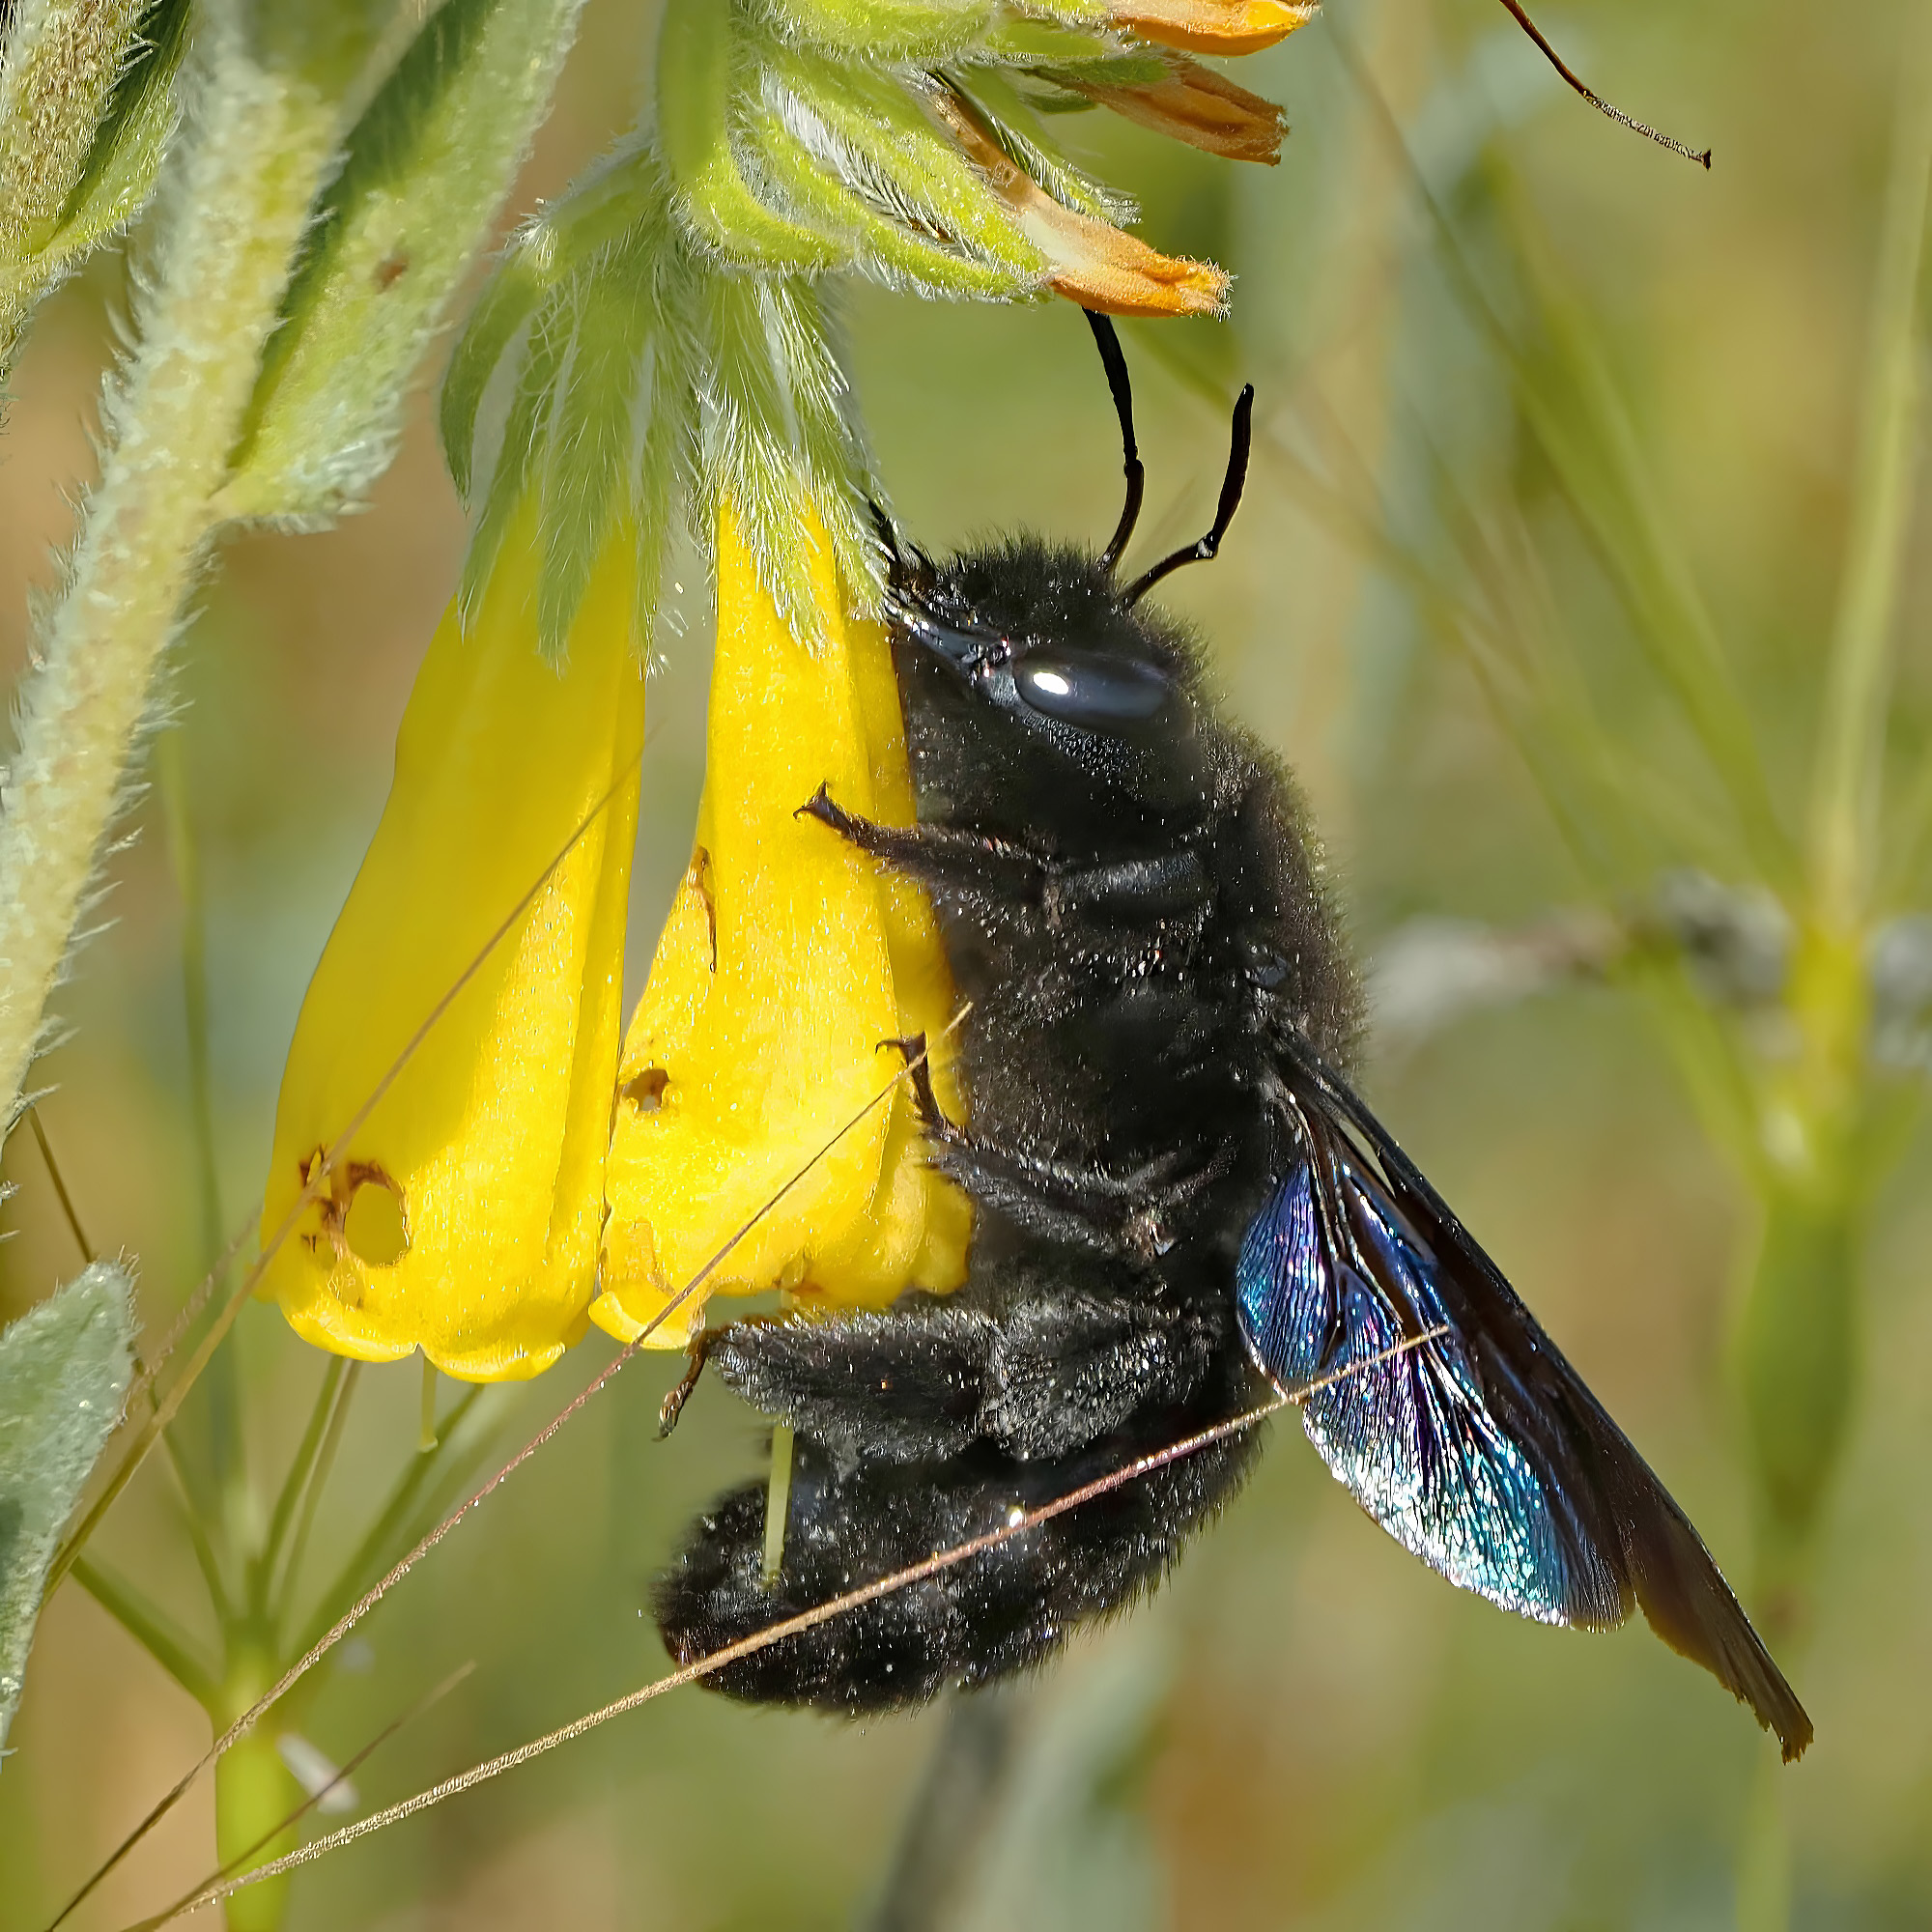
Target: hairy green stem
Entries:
(238, 198)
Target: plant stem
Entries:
(152, 1627)
(185, 857)
(778, 1503)
(1851, 752)
(282, 1597)
(942, 1841)
(410, 1486)
(262, 1569)
(253, 1796)
(237, 198)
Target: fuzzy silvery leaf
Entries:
(427, 167)
(64, 1372)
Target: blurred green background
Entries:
(1306, 1728)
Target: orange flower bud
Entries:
(1095, 264)
(1213, 26)
(1195, 105)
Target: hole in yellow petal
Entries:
(645, 1091)
(373, 1225)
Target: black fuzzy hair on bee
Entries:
(1179, 1202)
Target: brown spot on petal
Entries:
(704, 884)
(363, 1216)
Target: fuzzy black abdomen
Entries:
(991, 1614)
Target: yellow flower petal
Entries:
(1213, 26)
(1093, 263)
(786, 960)
(463, 1217)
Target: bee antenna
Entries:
(1209, 547)
(1116, 365)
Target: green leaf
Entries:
(428, 165)
(64, 1372)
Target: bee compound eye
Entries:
(1078, 688)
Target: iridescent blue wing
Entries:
(1479, 1448)
(1329, 1291)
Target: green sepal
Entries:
(896, 145)
(1134, 70)
(698, 48)
(427, 166)
(590, 439)
(525, 428)
(1010, 118)
(64, 1367)
(604, 210)
(880, 31)
(773, 438)
(119, 172)
(1022, 44)
(666, 458)
(85, 116)
(892, 252)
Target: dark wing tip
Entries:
(1689, 1604)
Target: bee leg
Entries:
(696, 1357)
(936, 855)
(898, 1386)
(1118, 1213)
(1133, 892)
(925, 1103)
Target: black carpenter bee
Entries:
(1180, 1202)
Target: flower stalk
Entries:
(237, 204)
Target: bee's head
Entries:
(1028, 668)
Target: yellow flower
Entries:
(1093, 263)
(462, 1216)
(788, 959)
(1213, 26)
